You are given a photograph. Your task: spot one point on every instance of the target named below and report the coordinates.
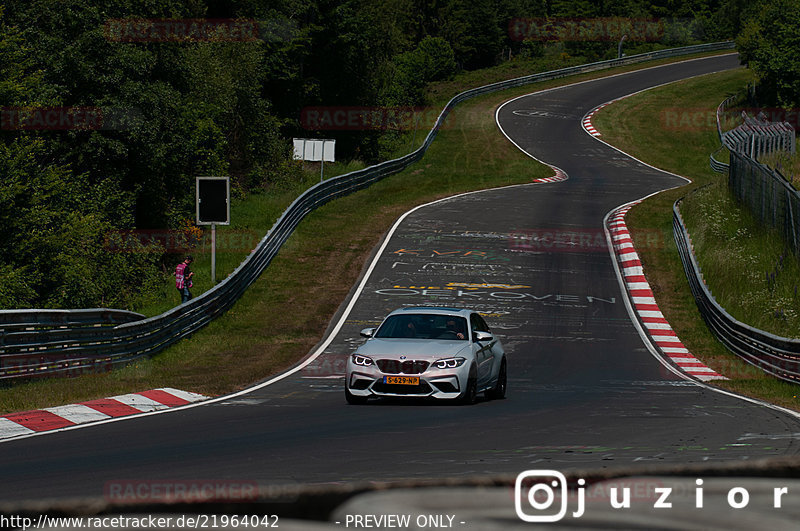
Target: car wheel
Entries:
(470, 394)
(352, 399)
(498, 392)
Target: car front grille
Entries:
(402, 366)
(422, 389)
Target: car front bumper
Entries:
(434, 383)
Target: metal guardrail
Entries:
(754, 137)
(58, 351)
(775, 355)
(766, 192)
(11, 320)
(757, 136)
(717, 166)
(774, 201)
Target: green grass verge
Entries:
(746, 265)
(680, 142)
(255, 214)
(251, 219)
(788, 165)
(314, 271)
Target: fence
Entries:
(765, 191)
(756, 137)
(768, 195)
(29, 351)
(773, 201)
(775, 355)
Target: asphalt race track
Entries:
(584, 391)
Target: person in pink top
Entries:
(183, 278)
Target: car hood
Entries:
(412, 348)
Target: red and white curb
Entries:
(587, 120)
(645, 303)
(55, 418)
(560, 175)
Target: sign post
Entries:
(313, 150)
(213, 207)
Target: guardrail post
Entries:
(139, 337)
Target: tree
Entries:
(475, 32)
(768, 43)
(432, 60)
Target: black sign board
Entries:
(213, 201)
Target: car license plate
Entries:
(401, 380)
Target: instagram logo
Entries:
(535, 493)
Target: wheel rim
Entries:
(472, 388)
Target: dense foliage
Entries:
(769, 42)
(174, 109)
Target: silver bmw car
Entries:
(441, 353)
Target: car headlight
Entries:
(362, 360)
(449, 363)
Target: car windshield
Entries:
(424, 326)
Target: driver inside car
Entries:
(454, 328)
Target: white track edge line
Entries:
(634, 318)
(653, 348)
(308, 360)
(338, 326)
(620, 280)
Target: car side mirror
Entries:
(368, 332)
(483, 336)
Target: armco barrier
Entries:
(717, 166)
(765, 191)
(48, 319)
(778, 356)
(32, 351)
